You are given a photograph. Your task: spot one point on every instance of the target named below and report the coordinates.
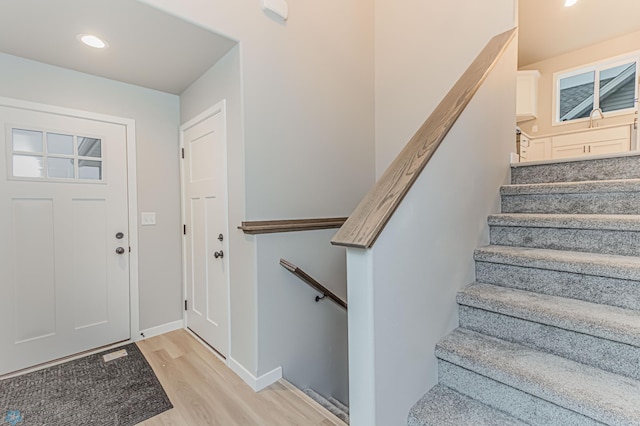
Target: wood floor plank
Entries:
(204, 391)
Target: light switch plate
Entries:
(148, 218)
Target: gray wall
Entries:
(308, 135)
(223, 82)
(156, 115)
(307, 339)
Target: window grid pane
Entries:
(59, 144)
(44, 155)
(28, 166)
(617, 87)
(27, 140)
(576, 96)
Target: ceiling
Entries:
(147, 47)
(548, 29)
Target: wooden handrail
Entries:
(291, 225)
(313, 283)
(372, 214)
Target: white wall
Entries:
(157, 117)
(598, 52)
(421, 49)
(307, 339)
(307, 96)
(402, 291)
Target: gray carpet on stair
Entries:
(606, 322)
(328, 405)
(442, 406)
(550, 332)
(87, 391)
(600, 395)
(623, 167)
(522, 405)
(612, 266)
(615, 357)
(591, 288)
(567, 221)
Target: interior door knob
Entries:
(218, 254)
(120, 250)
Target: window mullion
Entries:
(596, 89)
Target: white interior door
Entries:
(63, 204)
(206, 241)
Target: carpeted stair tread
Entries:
(338, 404)
(600, 395)
(615, 357)
(606, 322)
(572, 221)
(584, 187)
(622, 166)
(604, 265)
(328, 405)
(442, 406)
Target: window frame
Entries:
(45, 155)
(596, 68)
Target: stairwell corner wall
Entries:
(402, 291)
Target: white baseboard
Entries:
(160, 329)
(256, 383)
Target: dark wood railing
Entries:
(272, 226)
(372, 214)
(313, 283)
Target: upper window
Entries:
(46, 155)
(610, 86)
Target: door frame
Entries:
(220, 106)
(132, 192)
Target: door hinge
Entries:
(184, 229)
(185, 305)
(183, 153)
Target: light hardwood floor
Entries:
(204, 391)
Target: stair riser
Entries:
(590, 203)
(521, 405)
(590, 288)
(611, 356)
(623, 243)
(604, 169)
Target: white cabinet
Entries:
(597, 141)
(535, 149)
(527, 95)
(592, 142)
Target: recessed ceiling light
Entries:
(93, 41)
(569, 3)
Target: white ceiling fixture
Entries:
(569, 3)
(93, 41)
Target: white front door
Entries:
(64, 236)
(204, 141)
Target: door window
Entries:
(44, 155)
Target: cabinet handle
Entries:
(584, 149)
(589, 148)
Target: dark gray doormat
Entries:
(86, 391)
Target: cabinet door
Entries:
(608, 147)
(568, 151)
(538, 150)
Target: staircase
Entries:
(331, 404)
(550, 332)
